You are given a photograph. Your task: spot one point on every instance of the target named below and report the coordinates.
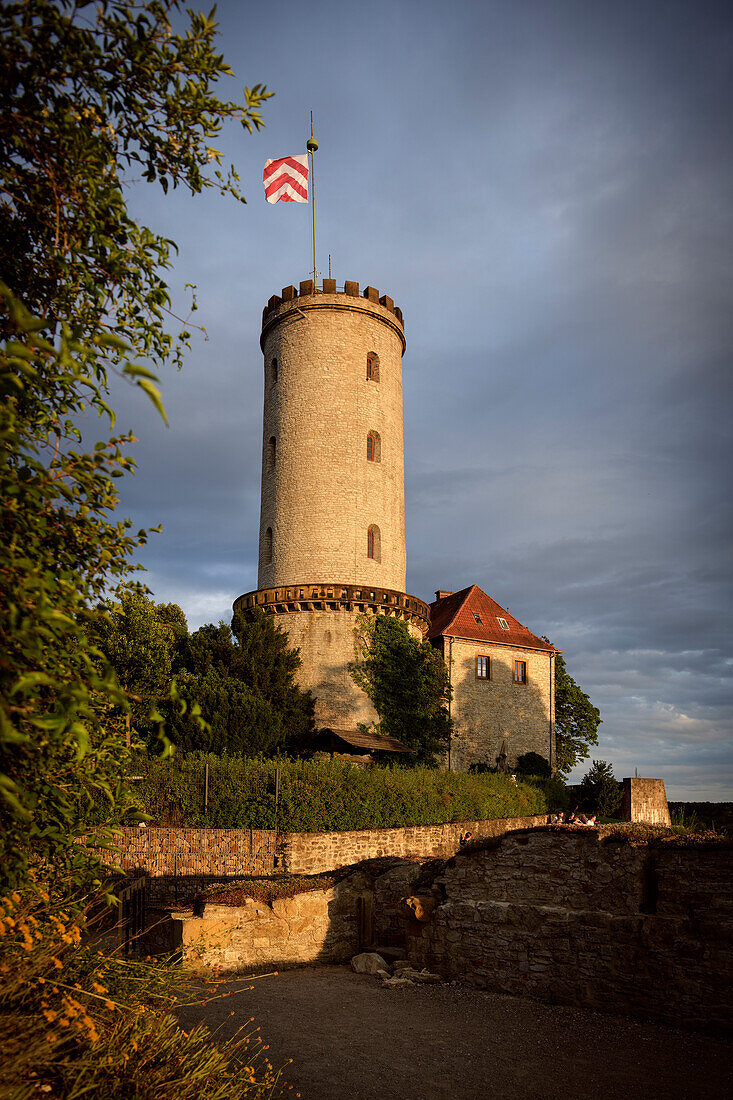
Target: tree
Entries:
(138, 639)
(576, 720)
(91, 97)
(407, 683)
(244, 682)
(599, 789)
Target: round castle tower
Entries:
(332, 520)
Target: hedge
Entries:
(323, 796)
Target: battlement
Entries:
(347, 293)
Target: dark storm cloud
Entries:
(544, 190)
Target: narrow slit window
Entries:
(271, 451)
(374, 447)
(520, 672)
(273, 372)
(372, 367)
(268, 544)
(374, 548)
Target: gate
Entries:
(131, 913)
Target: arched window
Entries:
(271, 451)
(374, 543)
(268, 545)
(374, 447)
(372, 367)
(273, 372)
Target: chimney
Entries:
(442, 593)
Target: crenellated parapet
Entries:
(338, 597)
(309, 296)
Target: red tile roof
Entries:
(455, 615)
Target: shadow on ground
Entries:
(351, 1039)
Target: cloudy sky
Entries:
(544, 189)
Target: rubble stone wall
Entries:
(181, 861)
(311, 853)
(316, 926)
(577, 917)
(645, 801)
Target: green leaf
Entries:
(136, 370)
(154, 394)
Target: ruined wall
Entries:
(645, 801)
(490, 712)
(317, 926)
(564, 916)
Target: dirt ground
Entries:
(351, 1039)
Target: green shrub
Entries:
(555, 790)
(531, 763)
(324, 796)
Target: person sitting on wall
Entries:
(571, 817)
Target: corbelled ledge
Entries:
(337, 597)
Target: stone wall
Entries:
(645, 801)
(180, 861)
(489, 713)
(184, 860)
(578, 917)
(320, 925)
(311, 853)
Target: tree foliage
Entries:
(92, 96)
(576, 720)
(244, 681)
(599, 789)
(407, 683)
(139, 639)
(532, 763)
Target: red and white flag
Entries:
(286, 179)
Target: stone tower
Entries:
(332, 521)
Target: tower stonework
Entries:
(332, 520)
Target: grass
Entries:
(78, 1022)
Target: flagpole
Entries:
(311, 146)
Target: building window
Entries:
(478, 619)
(502, 623)
(374, 447)
(372, 367)
(271, 451)
(273, 372)
(483, 667)
(374, 544)
(268, 545)
(520, 672)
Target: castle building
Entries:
(332, 529)
(503, 681)
(332, 519)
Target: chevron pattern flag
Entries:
(286, 179)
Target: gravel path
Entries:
(351, 1039)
